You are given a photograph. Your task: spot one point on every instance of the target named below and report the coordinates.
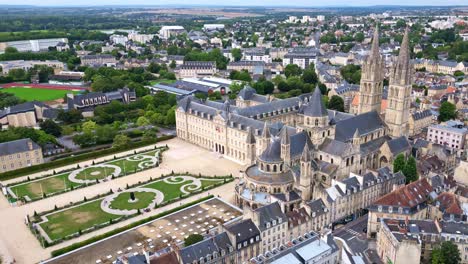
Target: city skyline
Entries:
(239, 3)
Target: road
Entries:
(355, 237)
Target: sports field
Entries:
(77, 219)
(37, 94)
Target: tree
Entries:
(149, 135)
(50, 127)
(173, 64)
(446, 253)
(351, 73)
(336, 103)
(359, 37)
(292, 70)
(410, 170)
(88, 127)
(309, 76)
(399, 163)
(142, 121)
(154, 67)
(121, 141)
(70, 117)
(236, 54)
(192, 239)
(447, 111)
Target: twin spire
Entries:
(401, 73)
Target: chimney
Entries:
(146, 256)
(30, 145)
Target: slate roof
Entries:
(21, 108)
(268, 213)
(399, 145)
(316, 107)
(205, 247)
(17, 146)
(421, 114)
(366, 123)
(317, 206)
(336, 148)
(243, 230)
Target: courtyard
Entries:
(62, 182)
(88, 215)
(156, 235)
(181, 157)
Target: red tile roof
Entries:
(407, 196)
(449, 204)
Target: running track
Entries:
(45, 86)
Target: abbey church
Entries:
(293, 147)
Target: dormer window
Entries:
(379, 208)
(280, 220)
(390, 209)
(268, 225)
(257, 238)
(400, 210)
(274, 222)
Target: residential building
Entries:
(119, 39)
(216, 249)
(302, 57)
(308, 248)
(253, 67)
(194, 69)
(419, 121)
(98, 60)
(245, 237)
(140, 38)
(352, 195)
(272, 223)
(451, 137)
(19, 154)
(407, 202)
(213, 27)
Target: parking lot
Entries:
(163, 232)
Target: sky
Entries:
(307, 3)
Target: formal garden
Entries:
(36, 189)
(60, 224)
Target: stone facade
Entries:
(399, 92)
(19, 154)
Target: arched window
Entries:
(320, 157)
(316, 122)
(331, 161)
(268, 167)
(281, 167)
(261, 166)
(328, 132)
(274, 168)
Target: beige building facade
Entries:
(19, 154)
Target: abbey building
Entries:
(294, 148)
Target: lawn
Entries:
(38, 94)
(122, 201)
(87, 215)
(61, 182)
(73, 220)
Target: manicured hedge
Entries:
(86, 242)
(79, 158)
